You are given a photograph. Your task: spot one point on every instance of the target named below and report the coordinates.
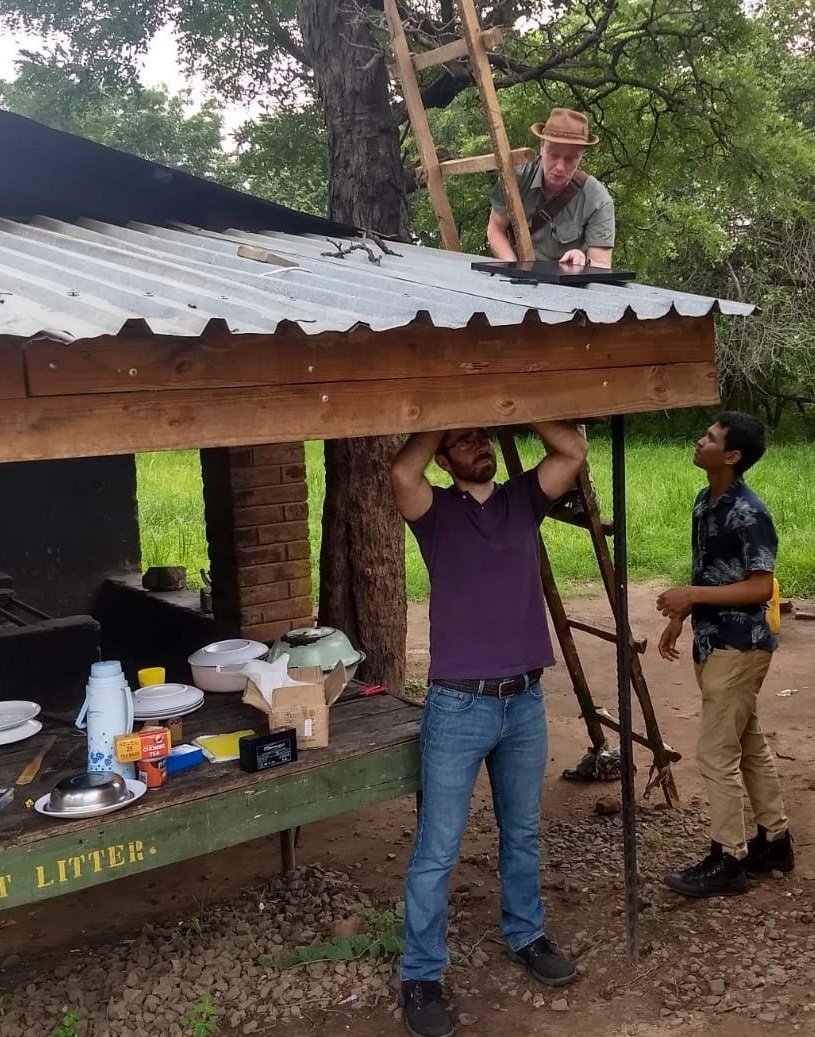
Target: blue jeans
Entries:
(459, 731)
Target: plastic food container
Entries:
(216, 667)
(318, 646)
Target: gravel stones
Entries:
(153, 984)
(751, 956)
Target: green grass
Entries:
(171, 511)
(661, 485)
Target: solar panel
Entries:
(547, 271)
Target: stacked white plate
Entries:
(17, 721)
(161, 701)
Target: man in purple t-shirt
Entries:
(489, 642)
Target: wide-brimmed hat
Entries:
(565, 126)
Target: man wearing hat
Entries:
(570, 214)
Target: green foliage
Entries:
(202, 1018)
(662, 483)
(415, 686)
(67, 1026)
(283, 158)
(384, 938)
(148, 123)
(226, 41)
(709, 156)
(171, 511)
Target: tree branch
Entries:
(282, 37)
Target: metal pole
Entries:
(624, 684)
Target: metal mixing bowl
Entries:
(90, 790)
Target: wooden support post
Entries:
(560, 620)
(421, 129)
(624, 656)
(288, 854)
(662, 758)
(495, 123)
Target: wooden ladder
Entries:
(474, 46)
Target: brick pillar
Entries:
(256, 510)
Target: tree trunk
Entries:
(362, 562)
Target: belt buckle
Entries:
(506, 680)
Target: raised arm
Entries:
(566, 451)
(412, 491)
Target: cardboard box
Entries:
(173, 725)
(305, 707)
(151, 743)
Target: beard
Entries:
(480, 471)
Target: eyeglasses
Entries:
(471, 440)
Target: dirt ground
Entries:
(685, 946)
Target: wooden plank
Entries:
(484, 163)
(421, 129)
(490, 39)
(614, 725)
(140, 839)
(607, 720)
(110, 364)
(495, 123)
(66, 426)
(12, 369)
(606, 635)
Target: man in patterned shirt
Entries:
(734, 549)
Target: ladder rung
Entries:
(483, 163)
(570, 518)
(491, 38)
(607, 720)
(607, 635)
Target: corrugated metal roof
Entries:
(80, 280)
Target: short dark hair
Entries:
(744, 433)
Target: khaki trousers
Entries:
(732, 750)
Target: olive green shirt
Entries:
(586, 222)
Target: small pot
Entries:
(216, 667)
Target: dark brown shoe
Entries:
(423, 1009)
(546, 963)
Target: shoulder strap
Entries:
(557, 204)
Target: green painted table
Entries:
(373, 756)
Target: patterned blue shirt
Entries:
(731, 539)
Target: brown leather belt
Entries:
(500, 689)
